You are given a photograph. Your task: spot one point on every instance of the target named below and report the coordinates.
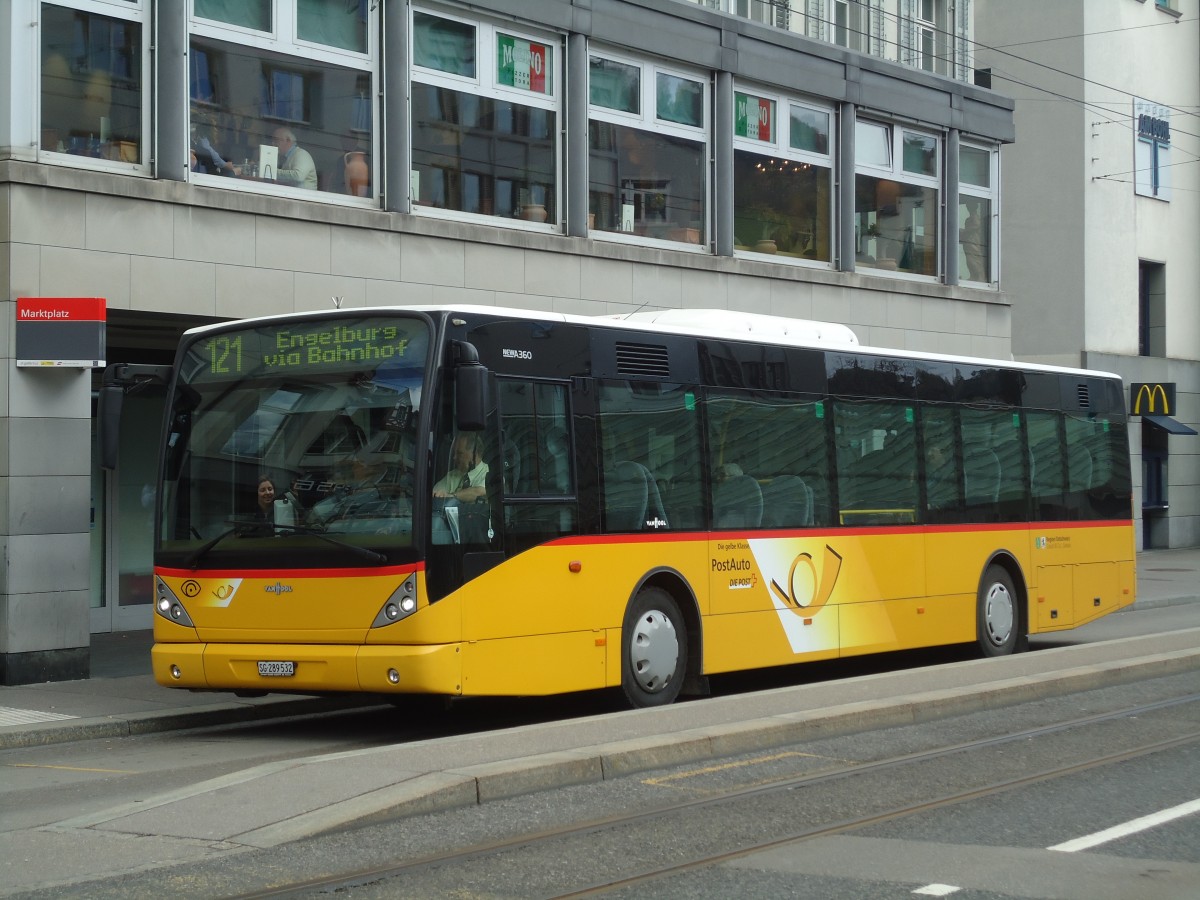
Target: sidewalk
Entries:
(122, 698)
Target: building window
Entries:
(977, 213)
(647, 139)
(782, 176)
(485, 120)
(1152, 309)
(92, 99)
(896, 198)
(282, 96)
(926, 35)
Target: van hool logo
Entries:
(190, 588)
(278, 588)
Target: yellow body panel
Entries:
(535, 665)
(532, 625)
(319, 668)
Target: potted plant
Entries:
(775, 229)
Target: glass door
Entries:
(123, 520)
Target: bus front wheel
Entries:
(653, 649)
(998, 615)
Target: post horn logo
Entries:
(803, 579)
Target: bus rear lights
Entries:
(176, 673)
(393, 676)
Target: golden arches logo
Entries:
(819, 588)
(1150, 393)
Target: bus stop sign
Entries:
(60, 331)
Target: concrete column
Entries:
(45, 490)
(396, 105)
(844, 200)
(950, 208)
(723, 164)
(577, 135)
(170, 66)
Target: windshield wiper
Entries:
(200, 552)
(244, 529)
(377, 558)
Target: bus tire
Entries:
(653, 649)
(998, 613)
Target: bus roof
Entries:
(697, 322)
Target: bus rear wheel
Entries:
(998, 614)
(653, 649)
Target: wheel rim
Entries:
(998, 614)
(653, 651)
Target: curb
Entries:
(475, 785)
(126, 725)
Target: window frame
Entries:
(990, 194)
(648, 120)
(897, 173)
(485, 84)
(781, 146)
(138, 13)
(281, 50)
(284, 36)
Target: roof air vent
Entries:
(642, 359)
(1085, 399)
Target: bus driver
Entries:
(466, 480)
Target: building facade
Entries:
(1108, 275)
(195, 160)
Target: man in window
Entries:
(296, 166)
(467, 478)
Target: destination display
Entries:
(294, 348)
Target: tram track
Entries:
(374, 875)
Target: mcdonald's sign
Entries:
(1153, 399)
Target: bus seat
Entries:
(626, 496)
(981, 468)
(738, 503)
(555, 461)
(787, 502)
(1079, 467)
(512, 467)
(656, 513)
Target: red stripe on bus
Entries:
(664, 537)
(275, 574)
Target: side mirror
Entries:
(470, 397)
(470, 389)
(119, 378)
(108, 413)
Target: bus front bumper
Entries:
(314, 668)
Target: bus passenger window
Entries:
(994, 461)
(649, 440)
(943, 474)
(778, 442)
(877, 462)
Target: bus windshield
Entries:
(292, 443)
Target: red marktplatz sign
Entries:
(61, 331)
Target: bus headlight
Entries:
(167, 605)
(401, 605)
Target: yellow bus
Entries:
(480, 501)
